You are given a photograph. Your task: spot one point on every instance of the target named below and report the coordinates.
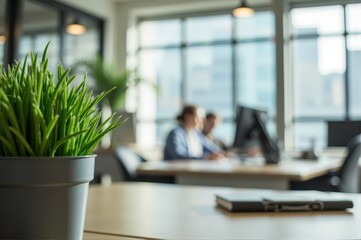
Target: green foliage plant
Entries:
(41, 115)
(106, 76)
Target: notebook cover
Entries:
(282, 202)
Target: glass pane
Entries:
(83, 46)
(261, 24)
(317, 20)
(318, 73)
(209, 78)
(354, 54)
(168, 79)
(353, 14)
(210, 28)
(2, 32)
(163, 129)
(39, 26)
(160, 33)
(225, 132)
(305, 133)
(256, 76)
(146, 135)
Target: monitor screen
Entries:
(269, 146)
(251, 131)
(245, 137)
(125, 135)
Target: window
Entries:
(160, 62)
(2, 29)
(209, 76)
(319, 81)
(326, 54)
(256, 62)
(208, 29)
(210, 61)
(42, 22)
(81, 47)
(353, 14)
(160, 33)
(37, 32)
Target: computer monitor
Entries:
(125, 135)
(251, 131)
(245, 137)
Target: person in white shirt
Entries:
(186, 141)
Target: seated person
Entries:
(212, 120)
(186, 141)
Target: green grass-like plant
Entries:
(40, 116)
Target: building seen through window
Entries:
(211, 61)
(326, 57)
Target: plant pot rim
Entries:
(46, 171)
(45, 157)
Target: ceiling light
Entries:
(76, 28)
(243, 10)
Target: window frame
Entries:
(233, 42)
(344, 35)
(13, 24)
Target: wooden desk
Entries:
(100, 236)
(162, 211)
(232, 173)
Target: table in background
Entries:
(252, 173)
(99, 236)
(165, 211)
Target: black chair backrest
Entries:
(340, 133)
(349, 171)
(129, 161)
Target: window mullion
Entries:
(235, 79)
(347, 76)
(183, 49)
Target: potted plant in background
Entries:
(106, 76)
(48, 131)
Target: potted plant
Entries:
(48, 131)
(106, 76)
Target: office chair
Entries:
(343, 180)
(341, 132)
(129, 162)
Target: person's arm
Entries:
(210, 149)
(209, 146)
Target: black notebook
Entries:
(282, 201)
